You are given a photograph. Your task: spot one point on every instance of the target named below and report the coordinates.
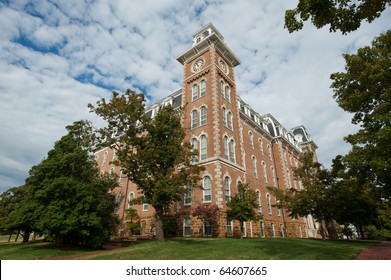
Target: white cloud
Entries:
(57, 56)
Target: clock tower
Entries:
(211, 115)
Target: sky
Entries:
(58, 56)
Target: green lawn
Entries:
(201, 249)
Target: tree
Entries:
(151, 151)
(209, 214)
(364, 89)
(242, 206)
(343, 15)
(70, 202)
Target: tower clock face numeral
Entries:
(223, 66)
(198, 65)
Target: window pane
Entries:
(195, 92)
(207, 189)
(203, 115)
(203, 88)
(203, 147)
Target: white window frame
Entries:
(194, 92)
(187, 226)
(203, 147)
(207, 189)
(232, 151)
(202, 88)
(227, 189)
(194, 119)
(203, 115)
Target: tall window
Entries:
(259, 201)
(194, 92)
(114, 155)
(104, 158)
(121, 176)
(282, 231)
(207, 186)
(288, 177)
(203, 88)
(131, 197)
(273, 176)
(227, 186)
(269, 151)
(255, 167)
(229, 120)
(186, 227)
(224, 116)
(228, 93)
(229, 228)
(194, 143)
(226, 151)
(203, 115)
(251, 137)
(207, 228)
(187, 197)
(261, 146)
(272, 228)
(194, 119)
(269, 204)
(222, 88)
(262, 229)
(264, 170)
(232, 151)
(117, 202)
(203, 147)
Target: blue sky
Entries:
(58, 56)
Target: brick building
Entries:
(235, 144)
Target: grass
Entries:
(200, 249)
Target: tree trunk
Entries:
(159, 225)
(9, 238)
(26, 237)
(17, 236)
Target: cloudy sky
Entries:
(58, 56)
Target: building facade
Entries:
(235, 144)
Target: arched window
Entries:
(187, 197)
(224, 116)
(288, 178)
(131, 197)
(194, 90)
(203, 115)
(269, 151)
(194, 144)
(227, 187)
(226, 151)
(207, 187)
(254, 160)
(269, 204)
(232, 151)
(259, 201)
(121, 176)
(228, 93)
(229, 120)
(261, 146)
(203, 88)
(194, 119)
(273, 176)
(251, 137)
(104, 158)
(264, 170)
(203, 141)
(222, 88)
(186, 227)
(114, 155)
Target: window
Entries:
(145, 207)
(259, 201)
(232, 151)
(224, 116)
(226, 151)
(264, 170)
(186, 227)
(228, 93)
(269, 204)
(227, 187)
(131, 197)
(262, 229)
(260, 146)
(114, 155)
(203, 88)
(229, 228)
(194, 90)
(255, 167)
(273, 176)
(194, 144)
(104, 158)
(288, 178)
(117, 202)
(281, 231)
(194, 119)
(206, 185)
(222, 88)
(269, 151)
(188, 195)
(207, 228)
(272, 229)
(121, 176)
(203, 147)
(229, 120)
(251, 137)
(203, 115)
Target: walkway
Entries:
(382, 251)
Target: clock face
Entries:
(223, 66)
(198, 65)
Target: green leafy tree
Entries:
(242, 206)
(151, 152)
(364, 89)
(343, 15)
(71, 203)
